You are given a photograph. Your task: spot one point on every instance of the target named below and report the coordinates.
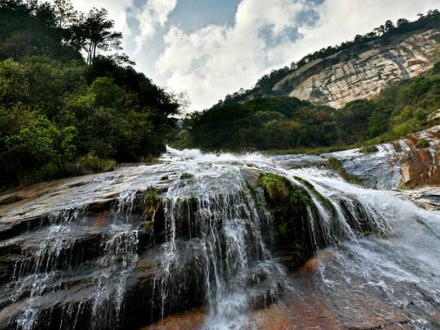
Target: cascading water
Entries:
(46, 267)
(118, 261)
(36, 274)
(232, 233)
(131, 247)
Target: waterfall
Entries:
(43, 270)
(118, 260)
(223, 232)
(232, 233)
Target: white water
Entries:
(404, 249)
(233, 241)
(225, 237)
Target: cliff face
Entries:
(347, 76)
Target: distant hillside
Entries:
(287, 123)
(358, 69)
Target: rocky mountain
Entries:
(344, 77)
(356, 69)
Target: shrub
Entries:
(369, 149)
(90, 163)
(423, 143)
(153, 203)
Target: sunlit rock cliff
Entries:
(347, 76)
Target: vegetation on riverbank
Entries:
(70, 102)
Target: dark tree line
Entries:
(57, 26)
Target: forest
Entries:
(291, 125)
(70, 101)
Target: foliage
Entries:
(90, 163)
(369, 149)
(153, 203)
(263, 124)
(423, 143)
(282, 123)
(61, 115)
(94, 31)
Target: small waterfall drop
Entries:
(230, 231)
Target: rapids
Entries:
(139, 245)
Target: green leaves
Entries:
(52, 122)
(106, 93)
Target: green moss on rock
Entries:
(323, 200)
(275, 187)
(186, 176)
(279, 190)
(291, 206)
(369, 149)
(423, 143)
(153, 203)
(336, 164)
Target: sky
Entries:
(211, 48)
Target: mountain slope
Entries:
(377, 88)
(358, 69)
(344, 77)
(287, 123)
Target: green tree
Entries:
(94, 32)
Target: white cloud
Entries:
(216, 60)
(341, 20)
(152, 15)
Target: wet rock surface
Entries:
(400, 164)
(91, 252)
(427, 197)
(343, 288)
(128, 248)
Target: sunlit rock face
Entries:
(345, 77)
(406, 163)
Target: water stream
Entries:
(92, 262)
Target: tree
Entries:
(380, 31)
(389, 26)
(402, 22)
(17, 45)
(65, 13)
(95, 32)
